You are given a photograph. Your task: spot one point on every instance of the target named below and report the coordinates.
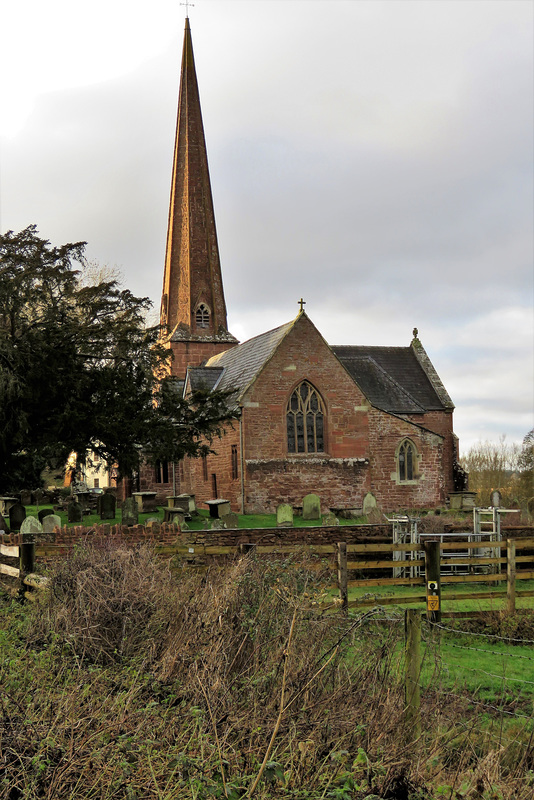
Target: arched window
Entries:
(305, 420)
(202, 316)
(406, 461)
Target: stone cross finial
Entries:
(302, 303)
(415, 332)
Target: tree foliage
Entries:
(78, 370)
(506, 466)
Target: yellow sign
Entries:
(432, 603)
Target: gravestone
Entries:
(31, 525)
(231, 521)
(330, 519)
(284, 516)
(106, 506)
(44, 512)
(496, 499)
(17, 515)
(130, 512)
(74, 511)
(26, 497)
(311, 507)
(51, 522)
(530, 506)
(217, 524)
(3, 524)
(369, 502)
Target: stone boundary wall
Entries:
(317, 535)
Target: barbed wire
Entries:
(470, 699)
(491, 652)
(488, 635)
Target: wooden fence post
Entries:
(510, 576)
(412, 690)
(433, 580)
(342, 575)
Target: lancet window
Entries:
(305, 420)
(406, 461)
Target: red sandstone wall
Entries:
(272, 474)
(441, 422)
(193, 354)
(220, 465)
(386, 432)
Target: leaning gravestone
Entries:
(330, 519)
(31, 525)
(51, 522)
(284, 516)
(17, 515)
(311, 507)
(106, 506)
(44, 512)
(369, 502)
(75, 511)
(130, 512)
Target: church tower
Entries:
(193, 311)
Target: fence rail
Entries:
(334, 557)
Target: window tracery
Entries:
(305, 420)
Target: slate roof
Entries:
(391, 378)
(241, 364)
(203, 377)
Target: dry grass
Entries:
(133, 681)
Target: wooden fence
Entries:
(352, 565)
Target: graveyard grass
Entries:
(197, 523)
(131, 681)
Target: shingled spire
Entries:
(193, 311)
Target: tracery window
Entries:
(305, 420)
(406, 461)
(202, 316)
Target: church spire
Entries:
(192, 305)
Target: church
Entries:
(341, 421)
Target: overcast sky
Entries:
(374, 157)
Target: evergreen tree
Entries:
(78, 370)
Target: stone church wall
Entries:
(340, 483)
(427, 490)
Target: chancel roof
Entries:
(392, 378)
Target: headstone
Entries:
(153, 525)
(330, 519)
(106, 506)
(51, 522)
(374, 517)
(496, 499)
(75, 511)
(231, 521)
(369, 502)
(26, 497)
(17, 514)
(217, 524)
(311, 507)
(130, 512)
(284, 516)
(44, 512)
(192, 504)
(3, 524)
(31, 525)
